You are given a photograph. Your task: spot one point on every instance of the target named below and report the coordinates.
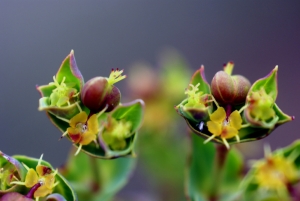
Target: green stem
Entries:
(220, 158)
(95, 187)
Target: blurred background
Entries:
(154, 42)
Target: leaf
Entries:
(204, 180)
(269, 83)
(95, 179)
(199, 77)
(63, 188)
(132, 112)
(10, 165)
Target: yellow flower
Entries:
(225, 128)
(261, 105)
(115, 133)
(196, 99)
(63, 92)
(275, 172)
(83, 130)
(42, 175)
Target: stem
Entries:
(31, 192)
(228, 111)
(292, 192)
(95, 187)
(221, 154)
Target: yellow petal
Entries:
(31, 178)
(73, 131)
(42, 191)
(219, 115)
(93, 124)
(229, 132)
(214, 128)
(235, 120)
(49, 180)
(43, 170)
(78, 118)
(87, 138)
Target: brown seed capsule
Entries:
(228, 89)
(99, 92)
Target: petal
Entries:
(49, 180)
(31, 178)
(87, 138)
(214, 128)
(43, 170)
(229, 132)
(93, 124)
(78, 118)
(235, 120)
(62, 100)
(219, 115)
(42, 191)
(74, 134)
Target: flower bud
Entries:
(228, 89)
(99, 92)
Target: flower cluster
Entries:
(230, 109)
(90, 114)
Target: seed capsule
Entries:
(228, 89)
(99, 92)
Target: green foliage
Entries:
(97, 179)
(206, 178)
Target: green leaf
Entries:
(132, 112)
(95, 179)
(204, 180)
(70, 70)
(63, 188)
(199, 77)
(71, 73)
(10, 166)
(269, 83)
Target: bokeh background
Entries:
(35, 37)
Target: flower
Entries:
(196, 99)
(223, 126)
(63, 92)
(43, 177)
(115, 133)
(83, 130)
(276, 171)
(261, 105)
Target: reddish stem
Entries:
(31, 192)
(228, 111)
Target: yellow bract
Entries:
(224, 127)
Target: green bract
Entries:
(254, 118)
(104, 134)
(13, 170)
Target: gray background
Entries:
(35, 36)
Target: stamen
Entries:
(209, 139)
(78, 150)
(226, 143)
